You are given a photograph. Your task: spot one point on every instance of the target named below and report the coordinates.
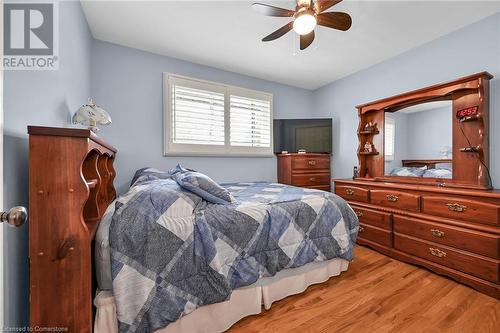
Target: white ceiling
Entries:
(227, 34)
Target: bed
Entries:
(218, 262)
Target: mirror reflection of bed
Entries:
(418, 140)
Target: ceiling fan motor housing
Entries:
(304, 11)
(303, 3)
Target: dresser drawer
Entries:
(311, 163)
(469, 240)
(395, 199)
(463, 209)
(353, 193)
(319, 187)
(311, 179)
(375, 234)
(466, 262)
(373, 217)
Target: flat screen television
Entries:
(311, 135)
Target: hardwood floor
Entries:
(380, 294)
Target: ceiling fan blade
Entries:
(278, 33)
(322, 5)
(335, 20)
(272, 10)
(306, 40)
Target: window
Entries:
(389, 132)
(197, 115)
(250, 124)
(206, 118)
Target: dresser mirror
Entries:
(418, 140)
(440, 131)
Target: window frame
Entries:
(179, 149)
(392, 122)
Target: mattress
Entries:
(165, 252)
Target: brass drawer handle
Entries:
(437, 233)
(312, 162)
(437, 252)
(392, 198)
(359, 214)
(312, 179)
(349, 191)
(361, 229)
(456, 207)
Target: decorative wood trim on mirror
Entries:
(469, 168)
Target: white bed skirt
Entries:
(244, 301)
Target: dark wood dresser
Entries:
(70, 186)
(455, 232)
(305, 170)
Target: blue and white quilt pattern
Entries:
(172, 252)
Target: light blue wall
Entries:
(128, 84)
(39, 98)
(473, 49)
(430, 131)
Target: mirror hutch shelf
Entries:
(424, 198)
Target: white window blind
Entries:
(250, 122)
(207, 118)
(389, 133)
(198, 116)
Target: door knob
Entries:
(15, 217)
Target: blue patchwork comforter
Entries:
(172, 252)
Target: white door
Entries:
(1, 166)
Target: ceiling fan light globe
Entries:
(304, 24)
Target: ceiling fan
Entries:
(307, 14)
